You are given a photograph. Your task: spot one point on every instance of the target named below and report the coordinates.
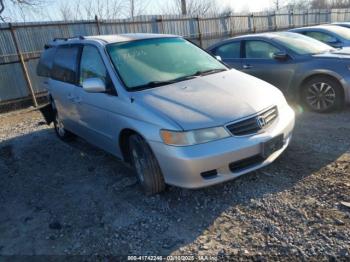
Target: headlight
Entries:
(199, 136)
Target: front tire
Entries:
(322, 94)
(146, 165)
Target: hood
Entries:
(343, 53)
(211, 100)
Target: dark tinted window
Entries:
(259, 49)
(65, 64)
(46, 62)
(231, 50)
(323, 37)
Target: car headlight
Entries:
(199, 136)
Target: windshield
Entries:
(301, 44)
(343, 32)
(154, 62)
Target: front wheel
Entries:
(322, 94)
(146, 165)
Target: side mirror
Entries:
(334, 43)
(94, 85)
(280, 56)
(218, 58)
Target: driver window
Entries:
(321, 37)
(91, 65)
(259, 49)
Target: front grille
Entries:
(253, 124)
(241, 165)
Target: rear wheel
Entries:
(146, 165)
(322, 94)
(61, 132)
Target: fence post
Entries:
(292, 19)
(275, 18)
(23, 65)
(97, 25)
(253, 22)
(199, 32)
(159, 21)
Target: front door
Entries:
(94, 109)
(258, 60)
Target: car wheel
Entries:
(146, 165)
(61, 132)
(322, 94)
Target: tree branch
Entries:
(2, 6)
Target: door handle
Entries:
(247, 66)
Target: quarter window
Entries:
(65, 64)
(259, 49)
(231, 50)
(46, 62)
(92, 66)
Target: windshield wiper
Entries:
(152, 84)
(208, 72)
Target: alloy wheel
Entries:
(320, 96)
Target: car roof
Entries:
(107, 39)
(267, 35)
(306, 28)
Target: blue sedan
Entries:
(333, 35)
(305, 69)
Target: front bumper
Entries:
(183, 166)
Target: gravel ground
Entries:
(58, 198)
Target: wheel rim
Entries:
(59, 126)
(320, 96)
(139, 164)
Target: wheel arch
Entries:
(332, 75)
(124, 142)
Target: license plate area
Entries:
(271, 146)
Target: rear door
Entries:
(63, 82)
(258, 60)
(230, 54)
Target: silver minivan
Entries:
(175, 113)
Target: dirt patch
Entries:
(58, 198)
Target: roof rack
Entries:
(69, 38)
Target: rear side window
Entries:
(46, 62)
(227, 51)
(321, 36)
(65, 64)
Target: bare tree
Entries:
(191, 7)
(319, 4)
(14, 8)
(340, 3)
(104, 9)
(298, 5)
(277, 5)
(137, 7)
